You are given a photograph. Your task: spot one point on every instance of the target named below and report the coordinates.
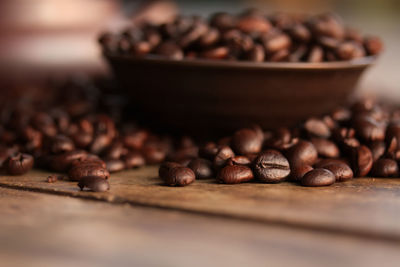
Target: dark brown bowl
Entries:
(214, 97)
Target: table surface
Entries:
(141, 222)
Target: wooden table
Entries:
(141, 222)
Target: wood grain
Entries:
(362, 207)
(45, 230)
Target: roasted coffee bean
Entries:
(224, 153)
(87, 169)
(134, 160)
(349, 50)
(223, 21)
(251, 24)
(256, 54)
(61, 144)
(210, 38)
(153, 155)
(297, 172)
(385, 168)
(317, 127)
(325, 148)
(221, 52)
(94, 183)
(115, 165)
(304, 152)
(316, 54)
(115, 151)
(52, 178)
(246, 141)
(378, 149)
(279, 56)
(208, 151)
(240, 160)
(202, 168)
(178, 176)
(62, 162)
(19, 164)
(341, 170)
(276, 42)
(235, 174)
(300, 33)
(271, 167)
(369, 129)
(318, 177)
(341, 114)
(373, 45)
(361, 160)
(89, 159)
(170, 50)
(165, 167)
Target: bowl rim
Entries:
(155, 59)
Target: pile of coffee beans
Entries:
(75, 132)
(360, 140)
(250, 36)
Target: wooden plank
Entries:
(366, 207)
(46, 230)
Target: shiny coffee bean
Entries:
(134, 160)
(369, 129)
(318, 177)
(19, 164)
(378, 149)
(115, 165)
(179, 176)
(87, 169)
(246, 141)
(224, 153)
(94, 183)
(373, 45)
(170, 50)
(202, 168)
(385, 168)
(297, 172)
(235, 174)
(341, 170)
(52, 178)
(166, 167)
(208, 151)
(240, 160)
(318, 128)
(325, 148)
(271, 167)
(61, 144)
(62, 162)
(361, 160)
(304, 152)
(153, 155)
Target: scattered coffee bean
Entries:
(271, 167)
(318, 177)
(224, 153)
(52, 178)
(304, 152)
(235, 174)
(87, 169)
(19, 164)
(241, 160)
(385, 168)
(115, 165)
(298, 172)
(246, 141)
(362, 160)
(325, 148)
(94, 183)
(202, 168)
(341, 170)
(178, 176)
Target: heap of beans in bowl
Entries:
(355, 141)
(249, 36)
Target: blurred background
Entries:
(42, 38)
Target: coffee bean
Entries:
(115, 165)
(153, 155)
(385, 168)
(134, 160)
(170, 50)
(341, 170)
(234, 174)
(250, 24)
(304, 152)
(210, 38)
(256, 54)
(300, 33)
(271, 167)
(275, 42)
(361, 160)
(202, 168)
(318, 177)
(61, 144)
(62, 162)
(179, 176)
(378, 149)
(221, 52)
(325, 148)
(246, 141)
(223, 21)
(373, 45)
(240, 160)
(19, 164)
(94, 183)
(165, 167)
(369, 129)
(224, 153)
(52, 178)
(208, 151)
(297, 172)
(317, 127)
(87, 169)
(316, 54)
